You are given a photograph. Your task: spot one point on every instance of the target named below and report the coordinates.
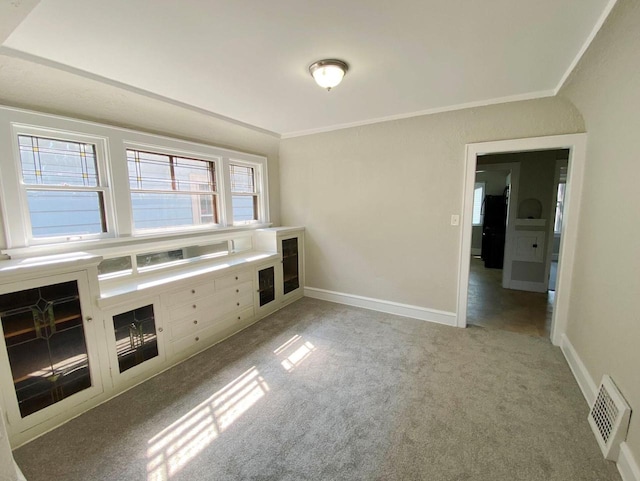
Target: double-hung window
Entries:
(65, 190)
(169, 191)
(244, 193)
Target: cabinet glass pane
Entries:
(266, 285)
(290, 264)
(136, 339)
(45, 340)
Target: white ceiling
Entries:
(247, 60)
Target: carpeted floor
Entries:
(321, 391)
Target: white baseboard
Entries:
(528, 286)
(627, 465)
(579, 370)
(476, 251)
(405, 310)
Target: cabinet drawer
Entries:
(234, 279)
(214, 331)
(191, 293)
(214, 305)
(185, 327)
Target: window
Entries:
(244, 196)
(557, 224)
(478, 200)
(64, 192)
(169, 191)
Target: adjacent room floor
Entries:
(321, 391)
(489, 305)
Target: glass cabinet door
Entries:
(266, 285)
(46, 345)
(136, 338)
(290, 272)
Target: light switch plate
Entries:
(455, 219)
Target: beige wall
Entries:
(604, 315)
(29, 85)
(377, 200)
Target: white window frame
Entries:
(259, 182)
(111, 144)
(482, 185)
(158, 149)
(21, 229)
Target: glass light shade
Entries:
(328, 73)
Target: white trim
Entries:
(579, 370)
(596, 28)
(437, 110)
(627, 465)
(576, 143)
(528, 286)
(390, 307)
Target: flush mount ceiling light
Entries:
(328, 73)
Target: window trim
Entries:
(22, 223)
(111, 144)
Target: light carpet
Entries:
(321, 391)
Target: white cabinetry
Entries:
(210, 311)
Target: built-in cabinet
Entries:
(69, 343)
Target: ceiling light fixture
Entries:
(328, 73)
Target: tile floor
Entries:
(491, 306)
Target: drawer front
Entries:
(191, 293)
(185, 327)
(214, 305)
(215, 331)
(239, 277)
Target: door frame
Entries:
(576, 143)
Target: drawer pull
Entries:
(195, 322)
(238, 317)
(193, 291)
(236, 278)
(197, 338)
(160, 329)
(237, 290)
(194, 306)
(238, 304)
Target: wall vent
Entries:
(609, 418)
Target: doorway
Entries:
(575, 143)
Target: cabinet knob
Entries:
(194, 306)
(160, 329)
(89, 318)
(238, 304)
(237, 290)
(197, 338)
(236, 278)
(195, 322)
(193, 291)
(238, 317)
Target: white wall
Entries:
(37, 87)
(376, 200)
(604, 313)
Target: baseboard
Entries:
(579, 370)
(476, 251)
(405, 310)
(528, 286)
(627, 465)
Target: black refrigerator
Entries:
(494, 226)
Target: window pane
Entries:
(115, 265)
(55, 213)
(245, 208)
(193, 175)
(156, 211)
(57, 162)
(149, 171)
(242, 180)
(478, 198)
